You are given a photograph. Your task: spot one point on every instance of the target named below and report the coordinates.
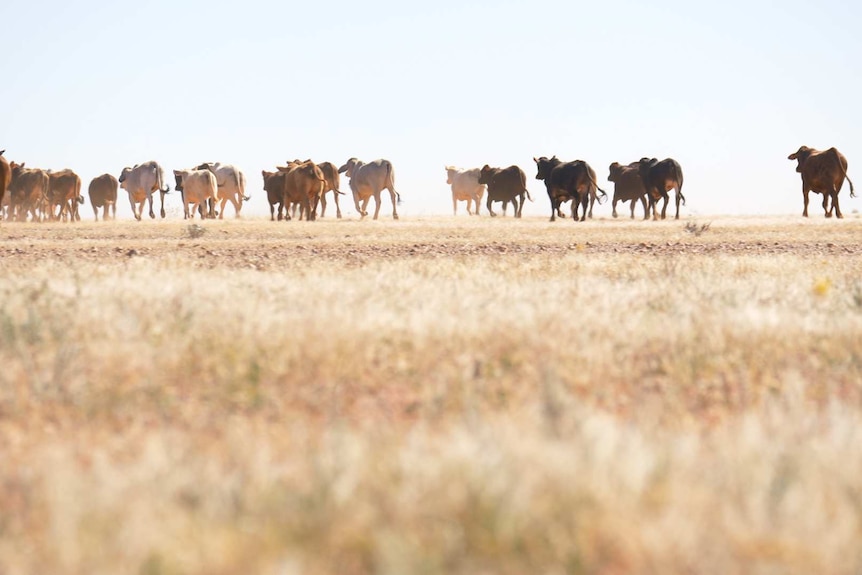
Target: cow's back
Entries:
(508, 183)
(628, 184)
(102, 190)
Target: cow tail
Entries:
(852, 193)
(679, 186)
(241, 177)
(529, 197)
(78, 197)
(604, 196)
(160, 174)
(390, 175)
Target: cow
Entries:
(273, 184)
(103, 194)
(140, 182)
(332, 181)
(28, 191)
(5, 179)
(660, 177)
(197, 187)
(505, 185)
(231, 185)
(564, 181)
(367, 180)
(628, 186)
(465, 187)
(64, 191)
(822, 173)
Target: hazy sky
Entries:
(728, 88)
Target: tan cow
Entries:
(103, 194)
(465, 187)
(5, 179)
(28, 191)
(231, 185)
(822, 173)
(64, 192)
(197, 187)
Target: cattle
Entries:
(5, 179)
(465, 187)
(231, 185)
(103, 194)
(64, 192)
(628, 186)
(505, 185)
(332, 182)
(660, 177)
(564, 181)
(140, 182)
(197, 187)
(823, 173)
(299, 183)
(28, 191)
(368, 180)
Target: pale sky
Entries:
(729, 89)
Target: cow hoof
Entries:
(828, 215)
(395, 216)
(163, 213)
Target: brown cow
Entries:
(298, 183)
(505, 185)
(660, 177)
(273, 184)
(5, 179)
(28, 192)
(628, 187)
(822, 173)
(64, 191)
(332, 183)
(103, 194)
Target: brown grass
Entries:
(440, 395)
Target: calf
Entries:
(197, 187)
(103, 194)
(628, 186)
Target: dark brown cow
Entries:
(628, 186)
(505, 185)
(103, 194)
(660, 177)
(65, 193)
(566, 181)
(5, 179)
(332, 182)
(273, 184)
(28, 191)
(822, 173)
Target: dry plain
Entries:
(433, 395)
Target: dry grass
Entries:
(432, 396)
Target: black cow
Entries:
(628, 186)
(822, 173)
(660, 177)
(505, 185)
(566, 181)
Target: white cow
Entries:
(368, 180)
(197, 186)
(465, 186)
(231, 185)
(140, 182)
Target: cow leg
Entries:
(488, 205)
(519, 205)
(591, 200)
(364, 209)
(804, 201)
(664, 205)
(162, 212)
(455, 206)
(337, 206)
(838, 213)
(377, 205)
(394, 197)
(323, 205)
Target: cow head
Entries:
(178, 176)
(644, 165)
(615, 171)
(123, 174)
(486, 174)
(450, 174)
(800, 155)
(348, 167)
(544, 166)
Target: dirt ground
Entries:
(261, 244)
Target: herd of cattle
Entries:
(40, 195)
